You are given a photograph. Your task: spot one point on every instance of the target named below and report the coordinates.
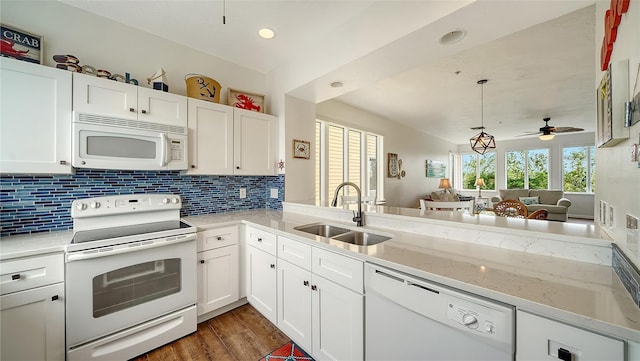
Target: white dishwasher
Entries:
(408, 318)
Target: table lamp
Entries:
(479, 184)
(445, 184)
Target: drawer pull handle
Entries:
(201, 261)
(219, 238)
(15, 277)
(306, 283)
(272, 265)
(54, 298)
(259, 239)
(132, 110)
(314, 287)
(144, 111)
(564, 354)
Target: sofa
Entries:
(551, 200)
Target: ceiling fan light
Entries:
(547, 136)
(482, 142)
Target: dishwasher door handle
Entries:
(395, 278)
(423, 287)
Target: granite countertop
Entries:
(583, 294)
(580, 293)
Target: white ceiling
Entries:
(539, 56)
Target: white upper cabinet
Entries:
(110, 98)
(35, 118)
(255, 143)
(224, 140)
(210, 138)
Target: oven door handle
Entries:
(164, 140)
(127, 248)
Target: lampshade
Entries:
(480, 182)
(547, 136)
(444, 183)
(482, 142)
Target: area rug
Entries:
(288, 352)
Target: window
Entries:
(528, 169)
(578, 167)
(348, 155)
(479, 166)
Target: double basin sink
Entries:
(338, 233)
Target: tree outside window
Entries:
(479, 166)
(578, 166)
(527, 169)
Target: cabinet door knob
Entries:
(63, 162)
(15, 277)
(219, 238)
(259, 239)
(201, 261)
(54, 298)
(237, 167)
(132, 110)
(193, 166)
(272, 265)
(144, 111)
(306, 283)
(564, 354)
(314, 287)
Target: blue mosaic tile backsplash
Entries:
(627, 272)
(38, 203)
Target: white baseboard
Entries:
(222, 310)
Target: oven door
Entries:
(111, 147)
(113, 288)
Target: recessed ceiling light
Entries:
(266, 33)
(336, 84)
(453, 37)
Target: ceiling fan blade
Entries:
(566, 129)
(527, 134)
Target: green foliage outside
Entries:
(531, 165)
(576, 172)
(479, 166)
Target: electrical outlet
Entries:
(274, 193)
(633, 234)
(243, 192)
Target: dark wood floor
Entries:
(242, 334)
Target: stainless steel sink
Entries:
(343, 234)
(322, 229)
(361, 238)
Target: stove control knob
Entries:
(175, 201)
(470, 321)
(95, 205)
(489, 328)
(81, 206)
(165, 200)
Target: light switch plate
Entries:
(243, 192)
(274, 193)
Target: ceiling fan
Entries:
(548, 131)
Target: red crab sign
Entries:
(612, 19)
(20, 45)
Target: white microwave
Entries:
(102, 142)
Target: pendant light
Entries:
(482, 142)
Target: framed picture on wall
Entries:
(393, 168)
(436, 169)
(21, 45)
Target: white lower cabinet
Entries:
(323, 316)
(261, 282)
(539, 338)
(218, 268)
(32, 318)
